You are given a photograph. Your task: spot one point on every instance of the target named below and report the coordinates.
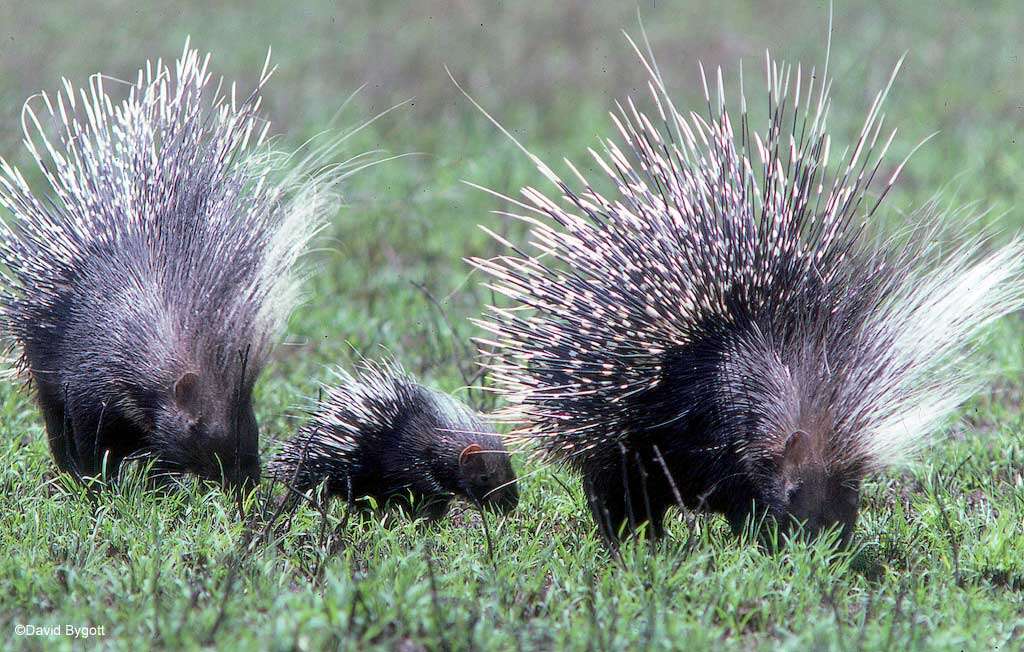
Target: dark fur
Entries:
(429, 449)
(691, 447)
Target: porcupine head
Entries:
(203, 429)
(469, 449)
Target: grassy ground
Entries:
(939, 559)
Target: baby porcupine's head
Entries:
(382, 422)
(437, 423)
(724, 309)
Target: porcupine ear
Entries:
(798, 450)
(469, 459)
(186, 393)
(798, 459)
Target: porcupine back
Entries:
(146, 287)
(384, 435)
(723, 330)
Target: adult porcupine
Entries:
(381, 434)
(146, 288)
(722, 333)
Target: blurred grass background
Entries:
(944, 567)
(550, 72)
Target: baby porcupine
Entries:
(146, 288)
(720, 331)
(383, 435)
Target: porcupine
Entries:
(381, 434)
(723, 333)
(145, 290)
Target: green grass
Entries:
(939, 556)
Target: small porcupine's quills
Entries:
(719, 330)
(145, 287)
(383, 435)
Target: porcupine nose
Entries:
(503, 500)
(244, 476)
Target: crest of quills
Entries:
(720, 331)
